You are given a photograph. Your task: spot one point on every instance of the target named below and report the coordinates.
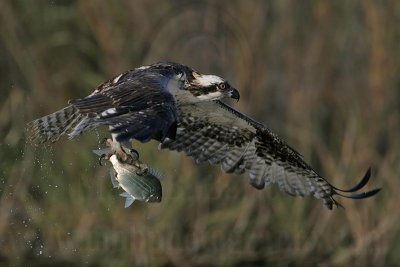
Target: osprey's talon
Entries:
(134, 154)
(143, 170)
(101, 158)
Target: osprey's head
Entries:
(210, 87)
(204, 87)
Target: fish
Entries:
(139, 181)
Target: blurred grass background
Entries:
(323, 74)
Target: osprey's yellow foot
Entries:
(124, 153)
(134, 153)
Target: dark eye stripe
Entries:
(196, 91)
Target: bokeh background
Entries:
(322, 74)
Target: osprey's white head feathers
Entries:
(206, 80)
(210, 87)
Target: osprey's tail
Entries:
(53, 126)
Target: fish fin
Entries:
(155, 173)
(129, 199)
(113, 179)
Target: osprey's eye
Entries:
(222, 86)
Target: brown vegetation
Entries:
(323, 74)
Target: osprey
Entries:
(182, 109)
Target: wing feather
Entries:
(136, 106)
(215, 132)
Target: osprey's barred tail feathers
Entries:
(53, 126)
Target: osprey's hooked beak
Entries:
(233, 93)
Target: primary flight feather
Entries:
(182, 108)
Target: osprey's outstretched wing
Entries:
(215, 132)
(135, 105)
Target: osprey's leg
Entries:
(130, 155)
(127, 148)
(124, 150)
